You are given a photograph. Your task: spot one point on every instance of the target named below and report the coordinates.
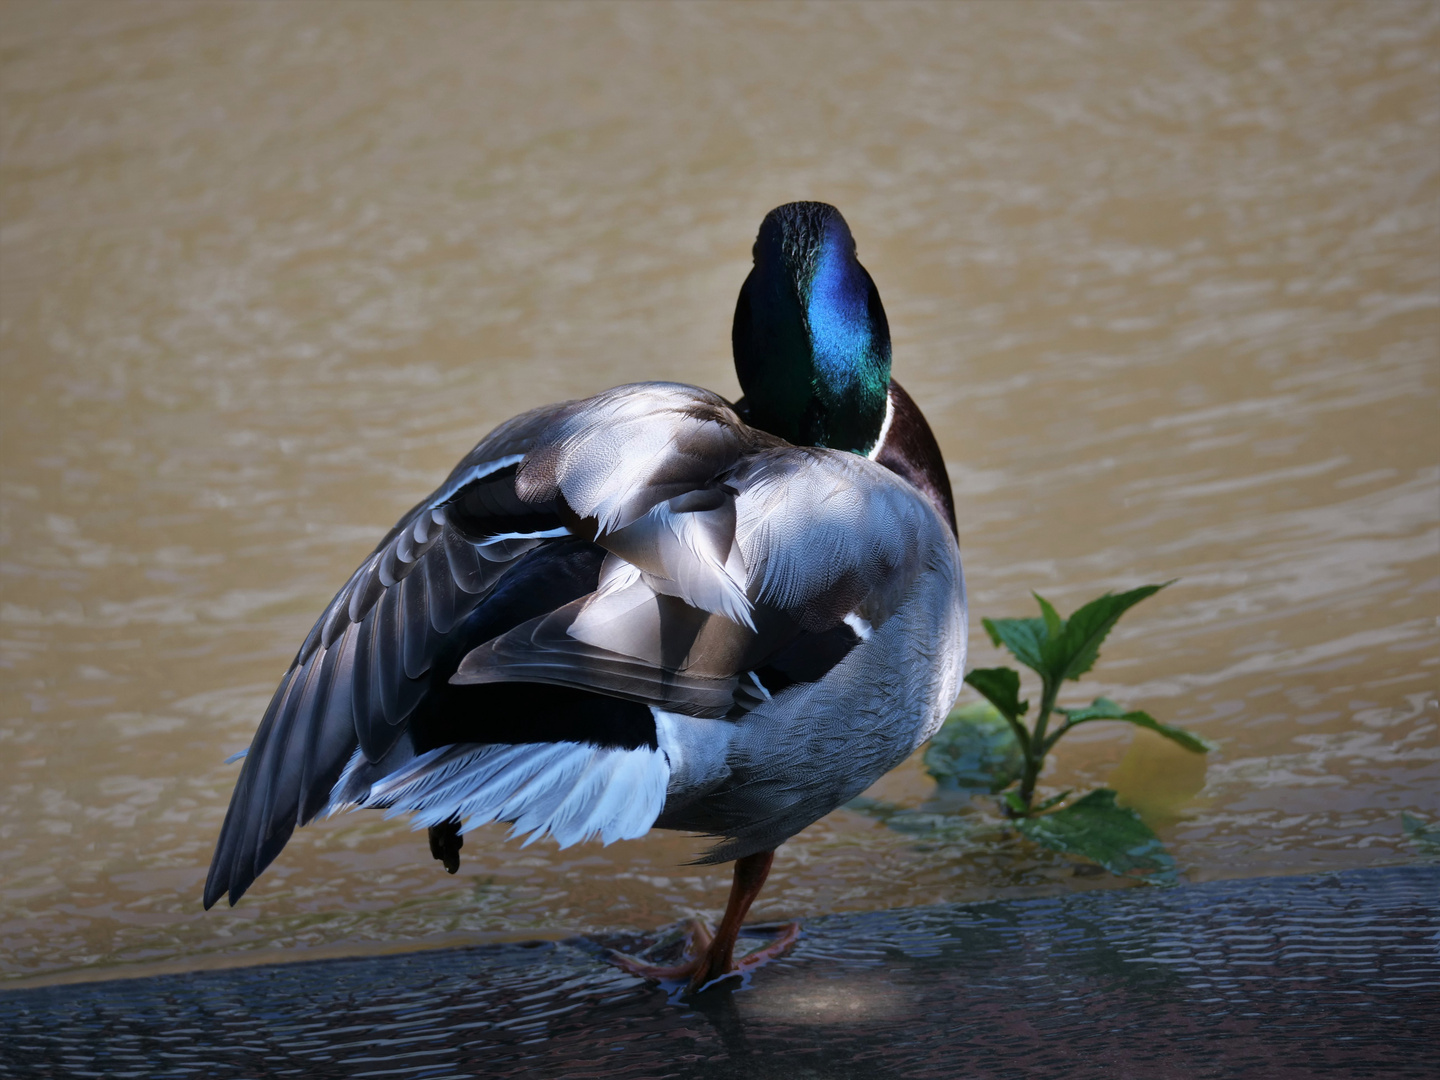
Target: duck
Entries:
(651, 608)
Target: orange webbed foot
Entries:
(706, 958)
(698, 939)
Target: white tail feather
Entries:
(571, 791)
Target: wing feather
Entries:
(467, 569)
(332, 737)
(543, 651)
(360, 670)
(284, 772)
(440, 589)
(824, 533)
(709, 518)
(618, 454)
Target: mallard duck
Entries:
(648, 609)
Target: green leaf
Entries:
(1424, 836)
(1053, 800)
(1085, 630)
(1102, 708)
(1025, 638)
(1096, 828)
(1105, 709)
(1058, 649)
(1054, 625)
(975, 750)
(1001, 687)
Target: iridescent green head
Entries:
(812, 347)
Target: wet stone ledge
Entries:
(1332, 975)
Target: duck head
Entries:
(811, 344)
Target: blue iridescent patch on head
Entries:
(838, 312)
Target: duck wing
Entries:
(359, 672)
(738, 566)
(729, 551)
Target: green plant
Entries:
(1060, 650)
(989, 747)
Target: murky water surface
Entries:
(1163, 277)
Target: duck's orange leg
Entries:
(709, 958)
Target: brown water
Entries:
(1164, 278)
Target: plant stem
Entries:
(1035, 751)
(1054, 738)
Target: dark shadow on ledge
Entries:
(1337, 974)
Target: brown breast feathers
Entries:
(909, 449)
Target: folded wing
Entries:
(727, 547)
(359, 672)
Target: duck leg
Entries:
(708, 957)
